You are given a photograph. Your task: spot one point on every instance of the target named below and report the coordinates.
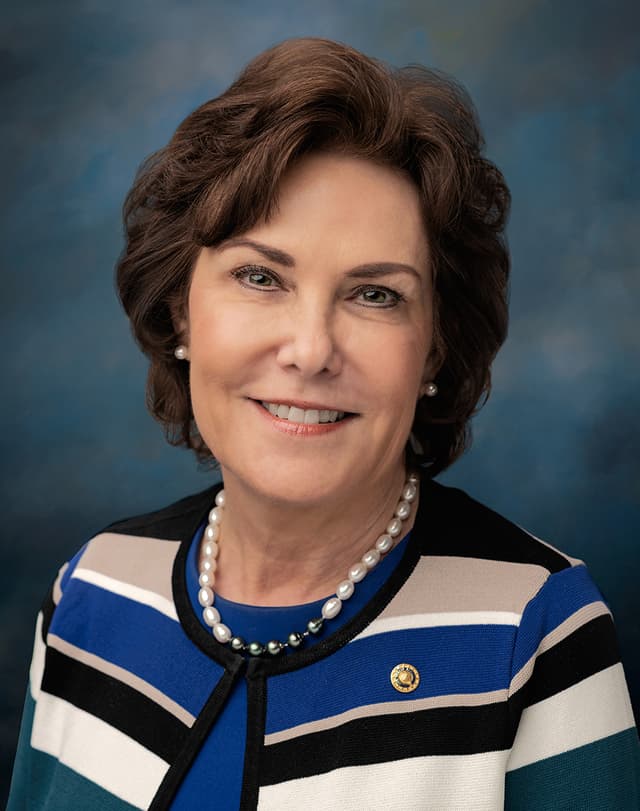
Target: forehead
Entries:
(347, 207)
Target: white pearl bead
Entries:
(409, 492)
(210, 549)
(206, 580)
(221, 632)
(331, 608)
(205, 596)
(384, 543)
(403, 510)
(221, 498)
(357, 572)
(394, 527)
(212, 532)
(211, 616)
(215, 516)
(345, 589)
(413, 477)
(371, 558)
(209, 565)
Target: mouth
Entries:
(295, 413)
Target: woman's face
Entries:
(326, 307)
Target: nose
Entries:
(309, 344)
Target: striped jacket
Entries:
(521, 701)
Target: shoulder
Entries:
(474, 559)
(131, 557)
(454, 523)
(171, 522)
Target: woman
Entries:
(316, 269)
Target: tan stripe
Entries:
(143, 562)
(387, 708)
(57, 591)
(565, 629)
(442, 584)
(126, 677)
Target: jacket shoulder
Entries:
(171, 522)
(457, 524)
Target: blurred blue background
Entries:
(89, 89)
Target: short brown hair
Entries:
(219, 175)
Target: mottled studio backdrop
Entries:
(90, 88)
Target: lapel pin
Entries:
(405, 678)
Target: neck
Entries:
(278, 553)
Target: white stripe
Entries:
(593, 709)
(37, 660)
(443, 782)
(434, 619)
(97, 751)
(144, 596)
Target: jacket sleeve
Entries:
(22, 780)
(32, 768)
(575, 741)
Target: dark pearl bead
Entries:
(238, 643)
(315, 625)
(295, 639)
(274, 646)
(255, 648)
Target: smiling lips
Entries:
(292, 419)
(311, 416)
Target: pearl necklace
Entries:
(332, 606)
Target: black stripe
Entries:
(199, 732)
(588, 650)
(256, 719)
(383, 738)
(461, 526)
(173, 523)
(114, 702)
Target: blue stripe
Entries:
(563, 594)
(452, 659)
(139, 639)
(64, 580)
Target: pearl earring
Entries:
(181, 352)
(430, 389)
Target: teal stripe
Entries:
(601, 776)
(40, 781)
(21, 778)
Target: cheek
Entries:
(219, 336)
(397, 363)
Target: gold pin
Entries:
(405, 678)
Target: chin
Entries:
(290, 482)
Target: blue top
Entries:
(218, 767)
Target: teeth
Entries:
(309, 417)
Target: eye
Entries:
(381, 297)
(256, 277)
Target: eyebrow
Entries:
(368, 270)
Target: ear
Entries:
(433, 364)
(180, 322)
